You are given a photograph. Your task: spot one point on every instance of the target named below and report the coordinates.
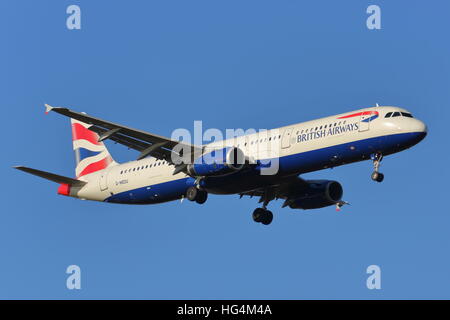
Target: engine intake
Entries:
(318, 194)
(218, 162)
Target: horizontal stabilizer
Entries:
(52, 177)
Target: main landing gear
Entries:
(377, 176)
(197, 195)
(262, 215)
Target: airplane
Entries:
(237, 165)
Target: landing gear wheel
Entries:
(194, 194)
(267, 218)
(377, 176)
(258, 214)
(262, 215)
(202, 196)
(191, 193)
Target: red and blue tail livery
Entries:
(90, 154)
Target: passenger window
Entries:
(396, 114)
(388, 115)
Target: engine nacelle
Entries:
(218, 162)
(318, 194)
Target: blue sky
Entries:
(160, 65)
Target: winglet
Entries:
(340, 204)
(48, 108)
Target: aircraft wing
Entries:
(148, 144)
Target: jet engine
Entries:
(218, 162)
(317, 194)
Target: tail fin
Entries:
(90, 154)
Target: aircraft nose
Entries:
(421, 126)
(418, 132)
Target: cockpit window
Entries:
(398, 114)
(406, 114)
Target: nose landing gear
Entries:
(376, 175)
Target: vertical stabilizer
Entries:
(90, 154)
